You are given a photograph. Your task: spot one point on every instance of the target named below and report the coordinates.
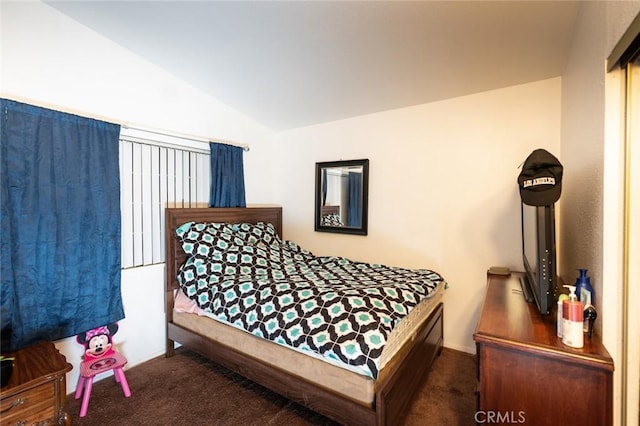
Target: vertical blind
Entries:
(154, 175)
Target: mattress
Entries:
(328, 373)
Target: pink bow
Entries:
(97, 332)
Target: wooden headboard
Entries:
(325, 210)
(174, 217)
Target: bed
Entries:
(325, 210)
(330, 216)
(343, 395)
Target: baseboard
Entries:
(468, 350)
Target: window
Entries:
(157, 171)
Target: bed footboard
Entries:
(395, 389)
(398, 387)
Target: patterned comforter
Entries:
(333, 307)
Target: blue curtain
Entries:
(227, 176)
(324, 186)
(354, 215)
(60, 219)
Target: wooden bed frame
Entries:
(325, 210)
(394, 388)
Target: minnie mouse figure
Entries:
(97, 341)
(99, 357)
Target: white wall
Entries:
(592, 153)
(442, 190)
(50, 60)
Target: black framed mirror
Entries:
(342, 195)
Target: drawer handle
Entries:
(15, 403)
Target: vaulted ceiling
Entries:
(296, 63)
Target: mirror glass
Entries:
(342, 190)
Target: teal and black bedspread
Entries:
(335, 308)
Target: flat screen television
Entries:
(539, 255)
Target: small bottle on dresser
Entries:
(584, 292)
(559, 318)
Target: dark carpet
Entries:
(187, 389)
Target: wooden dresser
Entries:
(36, 392)
(527, 375)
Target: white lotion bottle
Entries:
(559, 322)
(559, 319)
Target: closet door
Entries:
(631, 349)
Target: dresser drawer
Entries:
(36, 391)
(33, 405)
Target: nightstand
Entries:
(36, 392)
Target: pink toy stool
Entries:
(99, 357)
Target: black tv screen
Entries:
(539, 255)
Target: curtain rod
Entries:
(184, 136)
(126, 126)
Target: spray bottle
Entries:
(572, 317)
